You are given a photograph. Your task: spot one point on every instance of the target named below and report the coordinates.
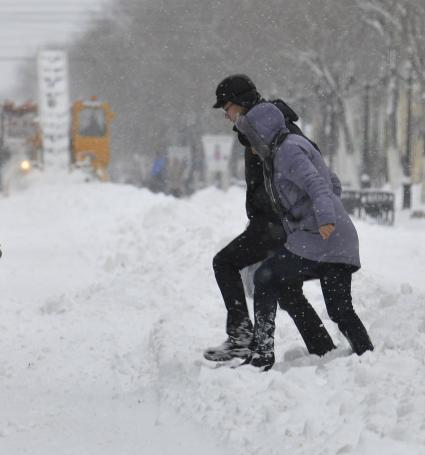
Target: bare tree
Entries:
(338, 55)
(401, 24)
(158, 63)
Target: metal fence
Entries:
(378, 205)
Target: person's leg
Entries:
(311, 328)
(266, 294)
(252, 246)
(335, 280)
(279, 279)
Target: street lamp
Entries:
(365, 177)
(407, 161)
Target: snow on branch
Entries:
(372, 6)
(377, 25)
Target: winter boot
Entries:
(231, 348)
(261, 360)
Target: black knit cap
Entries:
(239, 89)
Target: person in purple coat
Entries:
(236, 95)
(321, 243)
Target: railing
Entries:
(369, 203)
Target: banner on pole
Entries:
(53, 94)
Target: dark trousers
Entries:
(258, 242)
(280, 280)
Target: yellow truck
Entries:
(90, 135)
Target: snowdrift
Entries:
(108, 299)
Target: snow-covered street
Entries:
(108, 299)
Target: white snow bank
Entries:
(108, 299)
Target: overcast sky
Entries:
(27, 25)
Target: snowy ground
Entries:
(108, 299)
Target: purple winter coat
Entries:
(305, 186)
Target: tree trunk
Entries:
(395, 171)
(342, 118)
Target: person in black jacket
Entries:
(264, 234)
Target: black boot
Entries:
(230, 349)
(238, 344)
(262, 346)
(262, 360)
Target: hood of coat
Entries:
(261, 125)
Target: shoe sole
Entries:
(242, 353)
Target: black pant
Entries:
(258, 242)
(280, 280)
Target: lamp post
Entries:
(407, 168)
(365, 177)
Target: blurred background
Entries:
(353, 70)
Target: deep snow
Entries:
(108, 299)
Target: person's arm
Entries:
(257, 196)
(293, 164)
